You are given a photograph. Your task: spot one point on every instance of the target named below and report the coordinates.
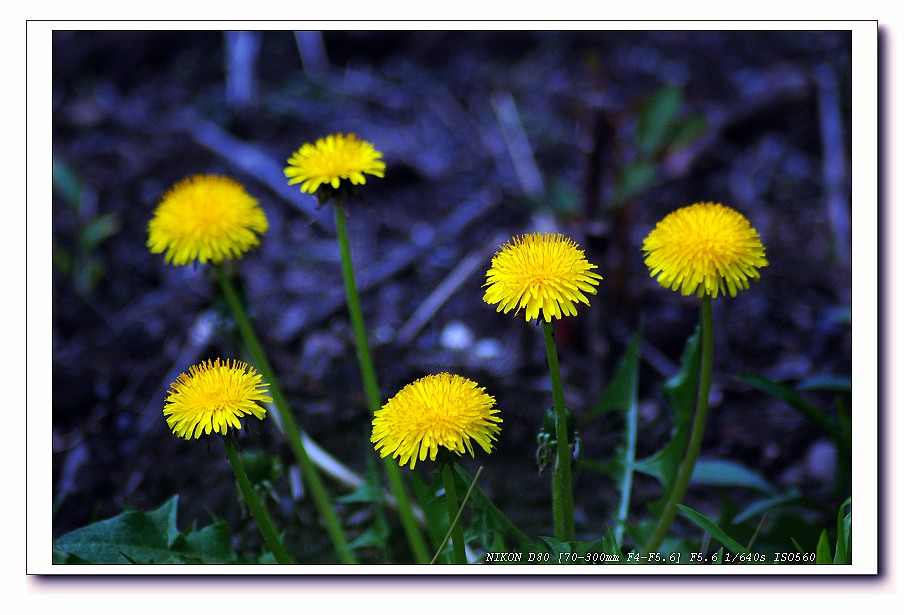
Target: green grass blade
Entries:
(704, 523)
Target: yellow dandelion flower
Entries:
(704, 248)
(541, 273)
(439, 410)
(206, 218)
(212, 397)
(332, 159)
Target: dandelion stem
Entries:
(562, 496)
(458, 537)
(293, 436)
(258, 510)
(630, 455)
(372, 389)
(679, 488)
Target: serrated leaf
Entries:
(375, 535)
(680, 391)
(370, 491)
(502, 524)
(577, 551)
(621, 393)
(142, 536)
(558, 547)
(145, 538)
(211, 544)
(704, 523)
(433, 507)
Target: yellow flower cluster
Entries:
(540, 273)
(704, 248)
(332, 159)
(206, 218)
(440, 410)
(212, 397)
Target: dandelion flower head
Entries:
(206, 218)
(704, 248)
(545, 273)
(438, 410)
(332, 159)
(212, 397)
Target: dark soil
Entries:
(133, 112)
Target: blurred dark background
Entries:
(486, 134)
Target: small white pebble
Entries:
(821, 459)
(456, 336)
(488, 349)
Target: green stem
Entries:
(679, 488)
(458, 537)
(372, 389)
(630, 459)
(258, 510)
(293, 436)
(562, 496)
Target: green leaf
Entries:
(621, 394)
(689, 130)
(557, 547)
(757, 508)
(562, 199)
(261, 467)
(657, 119)
(96, 231)
(826, 382)
(791, 397)
(580, 551)
(144, 538)
(67, 183)
(680, 391)
(370, 491)
(376, 535)
(725, 473)
(636, 178)
(823, 551)
(714, 530)
(434, 507)
(62, 260)
(502, 524)
(843, 542)
(207, 545)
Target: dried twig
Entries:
(458, 276)
(834, 163)
(242, 49)
(518, 145)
